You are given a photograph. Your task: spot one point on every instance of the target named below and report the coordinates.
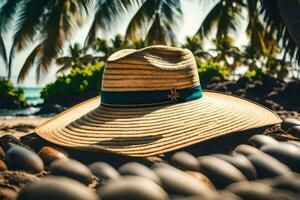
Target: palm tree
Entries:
(51, 23)
(2, 50)
(225, 16)
(282, 19)
(77, 57)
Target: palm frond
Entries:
(159, 19)
(141, 19)
(277, 27)
(28, 63)
(224, 16)
(28, 22)
(3, 50)
(7, 12)
(106, 16)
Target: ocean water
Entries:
(32, 94)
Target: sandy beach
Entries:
(19, 126)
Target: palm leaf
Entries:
(107, 14)
(2, 50)
(159, 19)
(277, 27)
(28, 63)
(141, 19)
(7, 12)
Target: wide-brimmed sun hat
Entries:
(151, 103)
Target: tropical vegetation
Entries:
(47, 26)
(11, 97)
(78, 85)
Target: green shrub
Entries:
(80, 84)
(212, 69)
(255, 73)
(11, 97)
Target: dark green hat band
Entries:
(149, 98)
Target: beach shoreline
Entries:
(19, 126)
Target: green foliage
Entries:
(210, 69)
(80, 83)
(11, 97)
(255, 73)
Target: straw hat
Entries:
(151, 102)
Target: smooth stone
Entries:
(6, 140)
(295, 131)
(104, 171)
(289, 183)
(257, 191)
(177, 182)
(288, 123)
(131, 188)
(137, 169)
(219, 172)
(71, 169)
(259, 140)
(20, 158)
(3, 166)
(2, 154)
(285, 153)
(184, 161)
(295, 143)
(241, 163)
(60, 188)
(223, 195)
(8, 193)
(267, 166)
(201, 177)
(50, 154)
(245, 150)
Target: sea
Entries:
(33, 96)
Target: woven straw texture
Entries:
(146, 131)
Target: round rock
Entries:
(257, 191)
(20, 158)
(2, 153)
(285, 153)
(131, 188)
(177, 182)
(295, 131)
(184, 161)
(241, 163)
(104, 171)
(51, 188)
(50, 154)
(267, 166)
(245, 150)
(71, 169)
(2, 165)
(137, 169)
(219, 172)
(288, 123)
(259, 140)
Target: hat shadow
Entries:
(124, 142)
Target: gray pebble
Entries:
(20, 158)
(71, 169)
(137, 169)
(131, 188)
(59, 188)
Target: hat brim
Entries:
(150, 131)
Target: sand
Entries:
(19, 126)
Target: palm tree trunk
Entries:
(290, 13)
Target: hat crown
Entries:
(152, 68)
